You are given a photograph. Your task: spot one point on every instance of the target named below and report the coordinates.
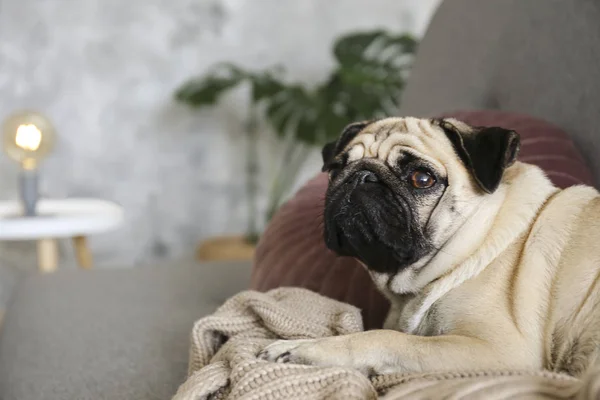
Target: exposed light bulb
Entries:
(28, 137)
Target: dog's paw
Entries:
(303, 351)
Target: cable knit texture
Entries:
(292, 251)
(224, 365)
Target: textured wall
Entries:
(104, 70)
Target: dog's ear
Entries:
(331, 150)
(328, 152)
(486, 152)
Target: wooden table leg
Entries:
(82, 252)
(47, 255)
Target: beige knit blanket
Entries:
(224, 365)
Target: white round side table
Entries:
(56, 219)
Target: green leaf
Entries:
(307, 129)
(207, 90)
(265, 86)
(351, 48)
(370, 75)
(204, 92)
(407, 42)
(355, 47)
(285, 111)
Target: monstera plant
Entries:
(369, 75)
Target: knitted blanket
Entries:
(224, 365)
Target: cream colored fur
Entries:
(513, 285)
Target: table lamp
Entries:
(28, 137)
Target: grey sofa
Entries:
(123, 334)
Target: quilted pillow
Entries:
(292, 251)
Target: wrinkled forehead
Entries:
(388, 139)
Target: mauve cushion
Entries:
(292, 252)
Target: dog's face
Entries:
(401, 187)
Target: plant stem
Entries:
(286, 176)
(277, 179)
(252, 175)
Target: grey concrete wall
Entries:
(104, 71)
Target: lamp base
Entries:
(28, 189)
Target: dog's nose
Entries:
(366, 177)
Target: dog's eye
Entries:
(422, 179)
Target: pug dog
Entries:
(486, 264)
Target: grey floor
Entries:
(18, 259)
(8, 280)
